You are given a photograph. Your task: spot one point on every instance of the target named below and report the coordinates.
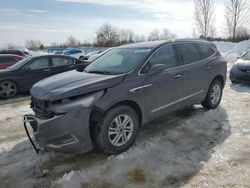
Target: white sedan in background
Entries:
(93, 57)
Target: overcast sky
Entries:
(55, 20)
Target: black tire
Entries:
(209, 103)
(102, 137)
(8, 89)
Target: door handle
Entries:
(177, 76)
(46, 70)
(208, 68)
(71, 66)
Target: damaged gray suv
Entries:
(105, 105)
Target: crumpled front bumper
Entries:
(67, 133)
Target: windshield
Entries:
(246, 56)
(19, 64)
(118, 61)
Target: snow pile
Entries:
(232, 50)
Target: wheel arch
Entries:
(220, 78)
(97, 113)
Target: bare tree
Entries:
(107, 36)
(242, 32)
(72, 42)
(235, 14)
(33, 44)
(204, 14)
(10, 46)
(154, 35)
(140, 38)
(167, 35)
(126, 36)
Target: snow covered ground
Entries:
(191, 148)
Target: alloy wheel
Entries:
(215, 94)
(7, 89)
(120, 130)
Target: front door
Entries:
(168, 85)
(35, 71)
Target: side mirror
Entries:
(81, 67)
(27, 69)
(157, 69)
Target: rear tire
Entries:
(8, 89)
(213, 96)
(117, 130)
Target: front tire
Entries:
(8, 89)
(214, 95)
(117, 130)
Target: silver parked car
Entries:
(240, 72)
(106, 104)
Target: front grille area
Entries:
(40, 107)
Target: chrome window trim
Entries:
(177, 101)
(182, 65)
(140, 87)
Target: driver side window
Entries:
(165, 55)
(41, 63)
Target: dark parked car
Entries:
(16, 52)
(7, 60)
(21, 76)
(240, 71)
(106, 104)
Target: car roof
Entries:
(10, 55)
(52, 55)
(153, 44)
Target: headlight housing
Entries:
(67, 104)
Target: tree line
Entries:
(236, 19)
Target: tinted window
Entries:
(39, 64)
(7, 60)
(165, 55)
(189, 53)
(61, 61)
(206, 51)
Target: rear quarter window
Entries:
(206, 50)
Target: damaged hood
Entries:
(72, 83)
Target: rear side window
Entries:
(165, 55)
(7, 60)
(189, 53)
(61, 61)
(206, 50)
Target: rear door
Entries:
(196, 76)
(167, 86)
(61, 64)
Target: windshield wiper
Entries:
(99, 72)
